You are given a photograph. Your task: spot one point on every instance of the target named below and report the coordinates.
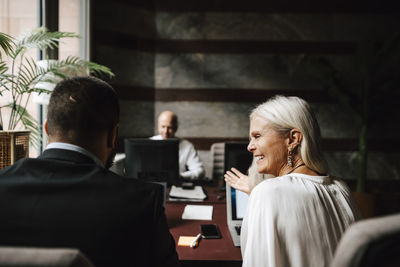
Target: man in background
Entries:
(67, 197)
(190, 165)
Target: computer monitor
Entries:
(152, 160)
(237, 156)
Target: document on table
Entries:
(196, 193)
(197, 212)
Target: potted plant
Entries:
(366, 93)
(20, 76)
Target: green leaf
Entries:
(26, 74)
(40, 90)
(387, 60)
(5, 81)
(6, 44)
(321, 70)
(42, 39)
(99, 70)
(29, 123)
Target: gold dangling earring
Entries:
(290, 158)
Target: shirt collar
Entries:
(66, 146)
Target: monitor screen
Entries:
(237, 155)
(239, 204)
(152, 160)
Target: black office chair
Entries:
(42, 257)
(370, 243)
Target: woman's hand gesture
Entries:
(237, 180)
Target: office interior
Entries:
(212, 62)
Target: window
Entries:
(19, 16)
(74, 17)
(16, 18)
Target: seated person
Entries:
(67, 197)
(190, 166)
(297, 217)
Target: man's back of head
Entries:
(82, 107)
(84, 111)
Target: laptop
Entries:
(236, 155)
(236, 204)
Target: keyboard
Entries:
(237, 228)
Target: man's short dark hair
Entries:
(84, 105)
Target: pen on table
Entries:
(193, 244)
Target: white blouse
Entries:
(296, 220)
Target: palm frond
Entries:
(389, 52)
(29, 123)
(364, 58)
(73, 66)
(387, 60)
(99, 70)
(42, 39)
(30, 74)
(39, 90)
(3, 67)
(77, 65)
(27, 76)
(6, 43)
(5, 81)
(321, 70)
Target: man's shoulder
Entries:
(185, 142)
(12, 168)
(33, 167)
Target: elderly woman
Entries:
(297, 217)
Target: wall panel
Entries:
(212, 61)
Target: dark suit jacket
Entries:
(63, 199)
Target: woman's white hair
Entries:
(287, 113)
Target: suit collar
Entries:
(72, 147)
(66, 155)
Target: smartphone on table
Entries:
(209, 231)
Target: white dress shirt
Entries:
(296, 220)
(66, 146)
(190, 165)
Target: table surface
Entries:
(209, 249)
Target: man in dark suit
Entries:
(67, 198)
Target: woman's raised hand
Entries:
(237, 180)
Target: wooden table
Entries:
(210, 252)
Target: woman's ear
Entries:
(295, 138)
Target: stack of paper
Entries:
(197, 212)
(195, 194)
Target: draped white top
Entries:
(296, 220)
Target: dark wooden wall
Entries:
(212, 61)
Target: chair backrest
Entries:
(371, 242)
(217, 154)
(35, 257)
